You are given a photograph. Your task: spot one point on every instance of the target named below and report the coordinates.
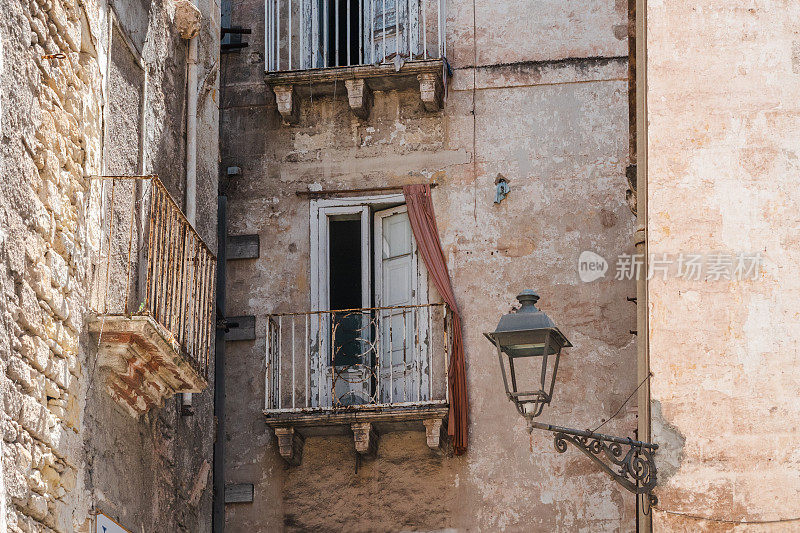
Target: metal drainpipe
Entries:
(191, 161)
(218, 505)
(645, 521)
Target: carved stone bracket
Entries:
(288, 106)
(364, 425)
(290, 445)
(359, 96)
(430, 90)
(293, 88)
(366, 438)
(435, 433)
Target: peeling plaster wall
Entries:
(722, 177)
(67, 446)
(558, 131)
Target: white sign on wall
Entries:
(104, 524)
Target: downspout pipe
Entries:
(218, 505)
(191, 162)
(645, 518)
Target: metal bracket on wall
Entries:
(634, 469)
(240, 328)
(234, 42)
(242, 247)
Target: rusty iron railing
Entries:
(152, 262)
(356, 358)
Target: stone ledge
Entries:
(365, 423)
(357, 83)
(143, 362)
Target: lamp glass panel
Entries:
(525, 376)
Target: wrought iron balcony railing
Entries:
(312, 34)
(152, 263)
(358, 358)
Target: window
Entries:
(366, 272)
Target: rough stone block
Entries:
(33, 417)
(37, 505)
(30, 314)
(8, 430)
(58, 371)
(20, 372)
(59, 271)
(17, 485)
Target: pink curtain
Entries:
(423, 224)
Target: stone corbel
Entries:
(188, 18)
(360, 97)
(430, 90)
(435, 433)
(290, 445)
(288, 106)
(366, 438)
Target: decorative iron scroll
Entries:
(634, 468)
(355, 357)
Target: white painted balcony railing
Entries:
(311, 34)
(358, 358)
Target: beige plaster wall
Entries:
(722, 177)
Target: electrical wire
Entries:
(724, 520)
(649, 374)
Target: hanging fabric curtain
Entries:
(423, 225)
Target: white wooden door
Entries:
(401, 330)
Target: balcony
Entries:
(363, 372)
(152, 294)
(316, 47)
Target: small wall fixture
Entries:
(529, 348)
(502, 188)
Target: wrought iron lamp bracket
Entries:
(634, 468)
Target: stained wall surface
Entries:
(68, 448)
(546, 107)
(722, 181)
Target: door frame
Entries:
(320, 211)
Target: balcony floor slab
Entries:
(430, 418)
(293, 86)
(143, 363)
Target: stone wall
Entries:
(722, 179)
(547, 108)
(67, 447)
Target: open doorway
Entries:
(368, 286)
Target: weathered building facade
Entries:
(536, 95)
(94, 89)
(658, 138)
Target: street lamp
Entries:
(529, 348)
